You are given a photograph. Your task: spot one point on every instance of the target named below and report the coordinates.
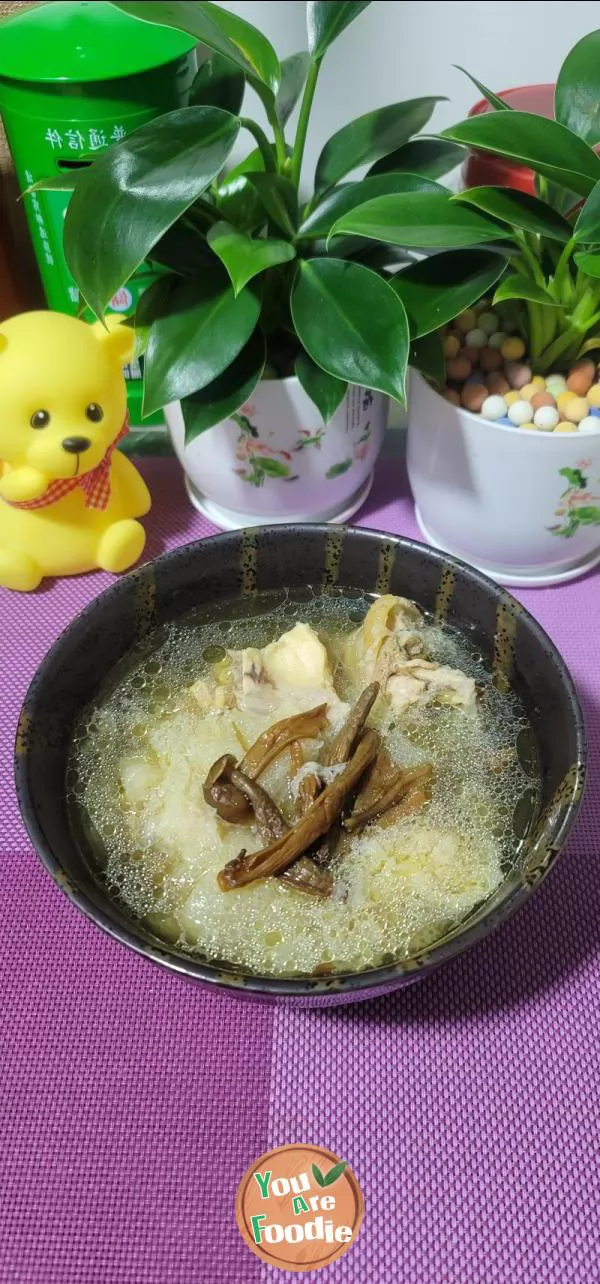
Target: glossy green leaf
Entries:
(427, 355)
(577, 95)
(215, 27)
(318, 1175)
(325, 21)
(182, 248)
(518, 209)
(152, 302)
(236, 199)
(347, 196)
(133, 192)
(218, 83)
(324, 389)
(352, 324)
(279, 198)
(202, 330)
(436, 290)
(221, 398)
(588, 263)
(293, 76)
(587, 227)
(543, 145)
(430, 157)
(244, 258)
(516, 286)
(422, 219)
(366, 139)
(497, 103)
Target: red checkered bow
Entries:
(95, 484)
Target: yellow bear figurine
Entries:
(68, 498)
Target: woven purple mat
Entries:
(132, 1102)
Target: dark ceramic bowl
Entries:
(237, 566)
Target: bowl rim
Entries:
(373, 981)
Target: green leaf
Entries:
(278, 196)
(427, 355)
(352, 324)
(591, 345)
(519, 209)
(497, 103)
(517, 286)
(293, 76)
(334, 1173)
(366, 139)
(574, 477)
(587, 227)
(133, 192)
(437, 289)
(588, 515)
(271, 467)
(324, 389)
(244, 258)
(202, 330)
(430, 157)
(182, 248)
(325, 21)
(218, 83)
(337, 470)
(421, 219)
(222, 31)
(543, 145)
(236, 198)
(577, 95)
(348, 195)
(318, 1175)
(588, 262)
(152, 302)
(230, 390)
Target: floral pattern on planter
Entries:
(261, 460)
(577, 506)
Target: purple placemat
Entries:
(132, 1102)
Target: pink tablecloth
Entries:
(132, 1102)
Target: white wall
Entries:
(401, 49)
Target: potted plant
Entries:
(273, 356)
(507, 310)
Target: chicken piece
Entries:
(299, 659)
(420, 682)
(389, 632)
(294, 670)
(211, 698)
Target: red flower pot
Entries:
(483, 168)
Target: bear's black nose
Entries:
(75, 445)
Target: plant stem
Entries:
(561, 344)
(303, 119)
(562, 267)
(536, 331)
(264, 146)
(531, 260)
(278, 134)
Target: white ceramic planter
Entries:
(275, 460)
(522, 506)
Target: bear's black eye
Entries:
(94, 412)
(40, 419)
